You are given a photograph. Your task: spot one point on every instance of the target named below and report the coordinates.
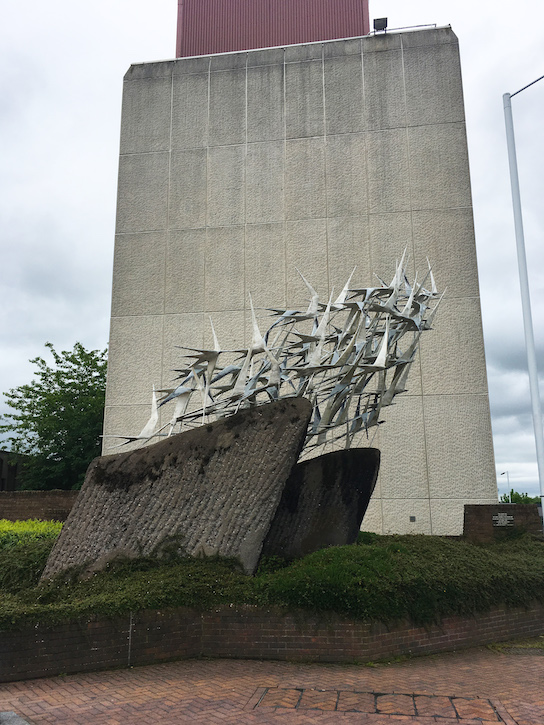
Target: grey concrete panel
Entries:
(385, 104)
(305, 193)
(265, 103)
(297, 53)
(138, 274)
(268, 56)
(388, 171)
(404, 451)
(397, 514)
(452, 354)
(226, 172)
(134, 364)
(184, 275)
(188, 189)
(431, 36)
(229, 61)
(127, 420)
(192, 65)
(306, 250)
(434, 93)
(194, 330)
(224, 279)
(142, 197)
(373, 520)
(414, 384)
(390, 235)
(186, 329)
(344, 94)
(264, 182)
(347, 189)
(447, 514)
(227, 107)
(338, 48)
(348, 247)
(459, 447)
(265, 264)
(304, 99)
(439, 166)
(230, 329)
(161, 69)
(446, 237)
(9, 717)
(381, 42)
(190, 111)
(146, 113)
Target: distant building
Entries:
(236, 168)
(11, 470)
(223, 26)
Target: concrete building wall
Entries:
(237, 168)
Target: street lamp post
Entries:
(524, 285)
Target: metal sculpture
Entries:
(350, 362)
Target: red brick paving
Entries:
(475, 709)
(395, 704)
(434, 706)
(473, 687)
(318, 700)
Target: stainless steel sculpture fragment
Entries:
(350, 357)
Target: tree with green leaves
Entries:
(57, 418)
(515, 497)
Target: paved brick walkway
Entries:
(473, 687)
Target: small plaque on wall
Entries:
(502, 519)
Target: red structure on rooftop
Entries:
(222, 26)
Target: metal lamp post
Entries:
(524, 284)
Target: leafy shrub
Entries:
(385, 578)
(17, 533)
(21, 566)
(418, 577)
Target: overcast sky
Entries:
(60, 104)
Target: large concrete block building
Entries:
(237, 168)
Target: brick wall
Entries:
(45, 505)
(489, 522)
(243, 632)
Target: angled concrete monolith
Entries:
(212, 490)
(323, 503)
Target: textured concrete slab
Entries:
(212, 490)
(323, 503)
(11, 718)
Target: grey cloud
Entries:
(60, 92)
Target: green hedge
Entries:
(24, 548)
(17, 533)
(419, 577)
(385, 578)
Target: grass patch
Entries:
(531, 645)
(384, 578)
